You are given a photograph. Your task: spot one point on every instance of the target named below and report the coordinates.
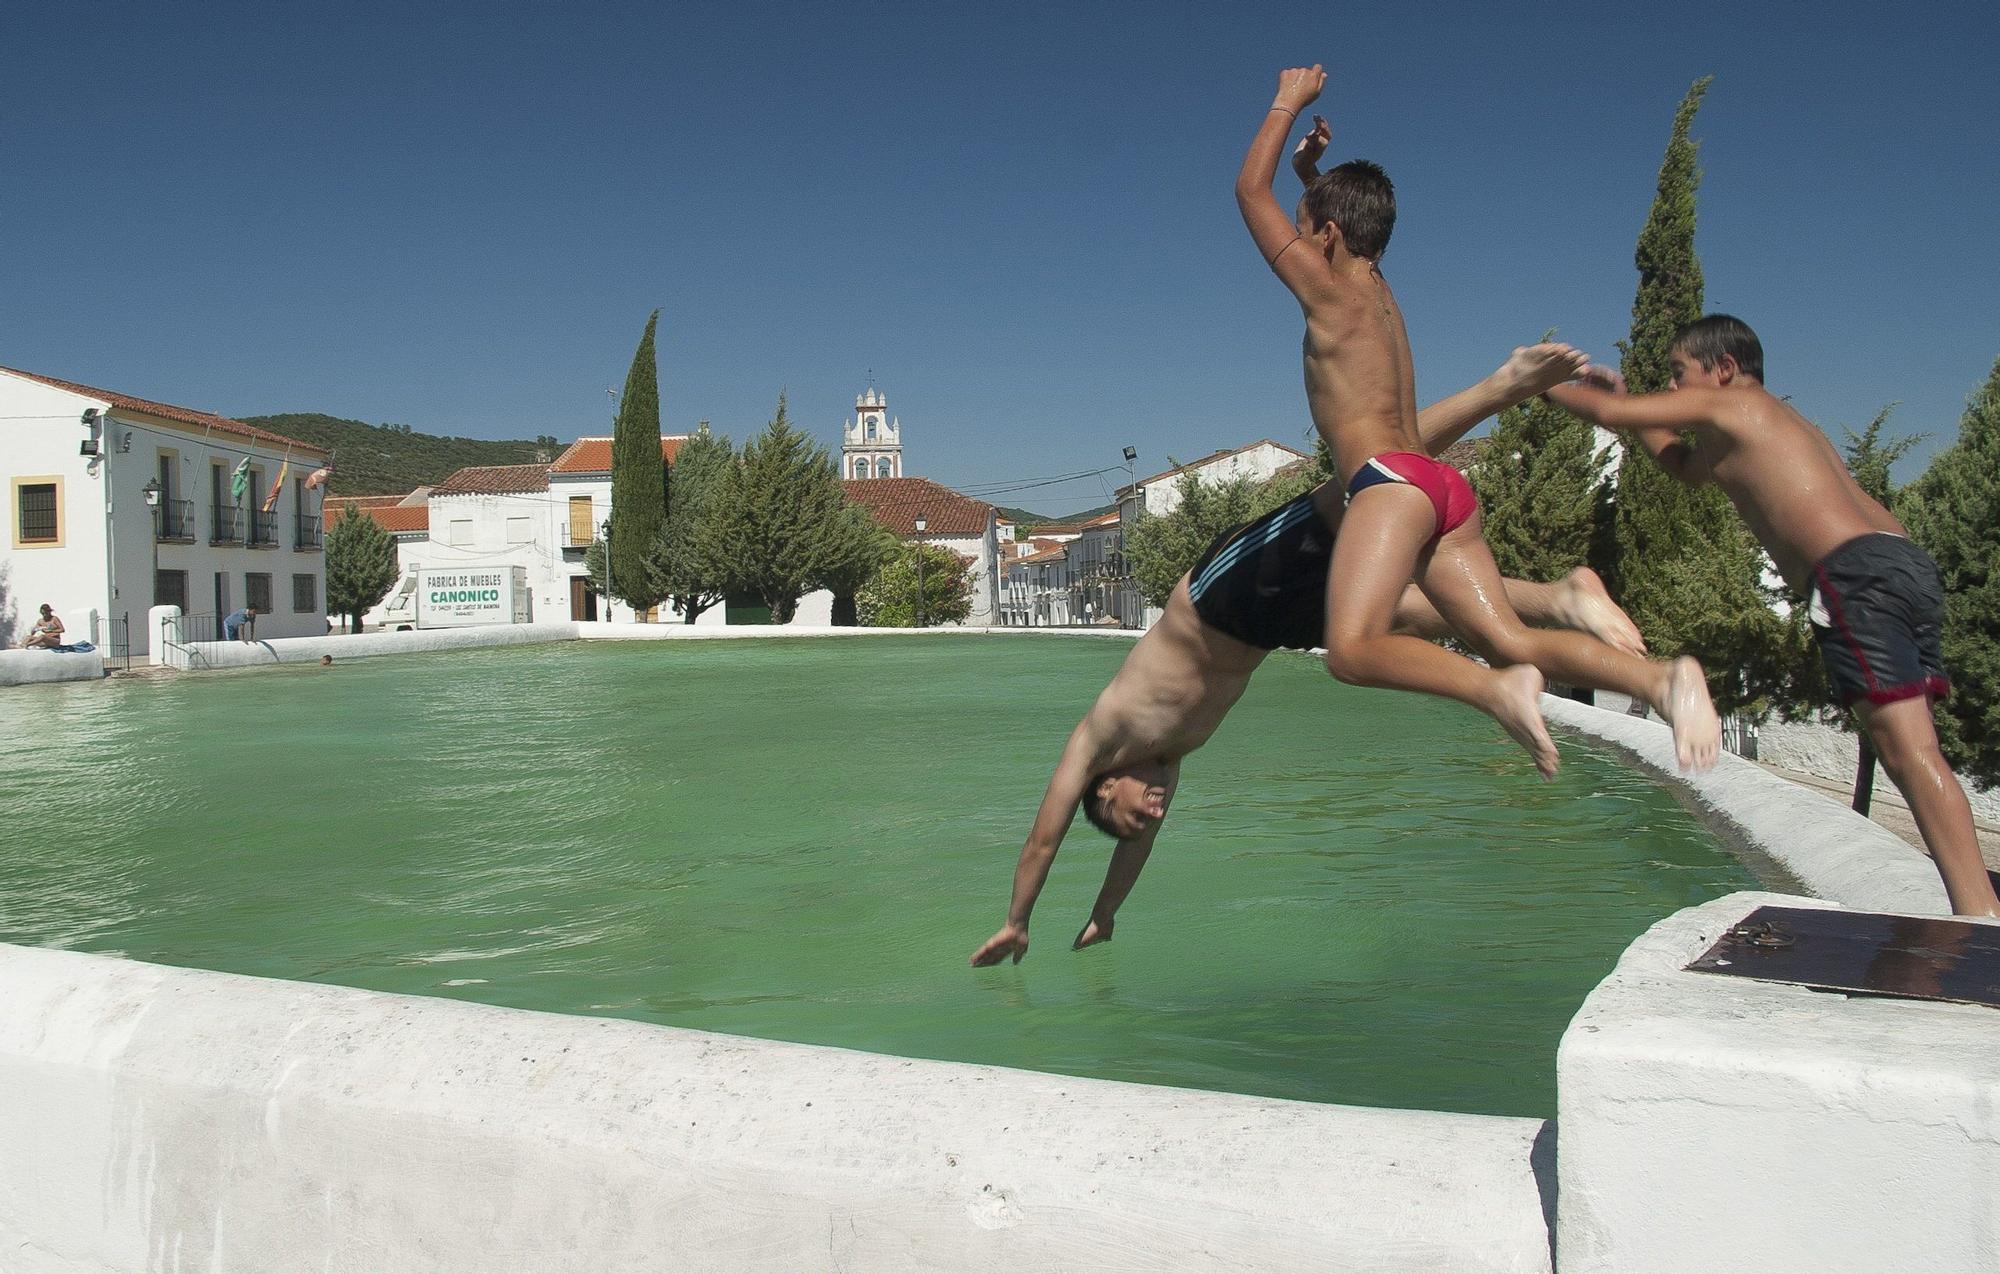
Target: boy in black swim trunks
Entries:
(1262, 587)
(1876, 605)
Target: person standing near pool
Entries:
(234, 626)
(1260, 588)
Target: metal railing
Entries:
(176, 522)
(225, 525)
(308, 532)
(263, 529)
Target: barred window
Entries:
(170, 588)
(37, 502)
(305, 594)
(257, 591)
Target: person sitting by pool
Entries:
(240, 625)
(1257, 589)
(47, 632)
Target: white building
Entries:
(1038, 589)
(76, 464)
(1160, 493)
(968, 527)
(871, 444)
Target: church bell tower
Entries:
(871, 444)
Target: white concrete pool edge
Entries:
(39, 667)
(153, 1117)
(1833, 852)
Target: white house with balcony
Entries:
(115, 504)
(579, 496)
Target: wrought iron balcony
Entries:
(174, 522)
(225, 525)
(263, 529)
(307, 532)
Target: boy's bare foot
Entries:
(1685, 705)
(1533, 368)
(1581, 603)
(1517, 707)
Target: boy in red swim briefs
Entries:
(1410, 517)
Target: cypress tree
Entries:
(1952, 511)
(361, 566)
(778, 531)
(1684, 565)
(638, 479)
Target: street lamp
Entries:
(922, 524)
(607, 569)
(153, 491)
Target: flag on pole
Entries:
(239, 480)
(318, 476)
(278, 487)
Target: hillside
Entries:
(389, 459)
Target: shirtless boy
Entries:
(1876, 607)
(1409, 516)
(1258, 588)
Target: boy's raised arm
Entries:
(1270, 228)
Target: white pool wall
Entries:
(37, 667)
(158, 1119)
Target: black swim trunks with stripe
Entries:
(1877, 612)
(1265, 583)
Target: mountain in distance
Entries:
(391, 459)
(1023, 520)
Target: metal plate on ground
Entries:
(1862, 953)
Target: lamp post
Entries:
(607, 570)
(153, 492)
(1132, 493)
(922, 523)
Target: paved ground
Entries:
(1891, 813)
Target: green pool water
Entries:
(1360, 897)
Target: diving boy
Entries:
(1258, 588)
(1876, 604)
(1409, 516)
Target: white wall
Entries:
(107, 558)
(1715, 1123)
(1255, 463)
(160, 1119)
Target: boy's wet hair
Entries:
(1094, 808)
(1711, 336)
(1358, 197)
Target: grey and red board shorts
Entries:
(1877, 611)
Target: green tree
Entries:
(638, 479)
(861, 547)
(778, 531)
(361, 566)
(890, 600)
(1539, 478)
(1683, 565)
(1952, 511)
(685, 569)
(1162, 547)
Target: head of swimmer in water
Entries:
(1124, 803)
(1712, 351)
(1355, 202)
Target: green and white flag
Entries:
(239, 481)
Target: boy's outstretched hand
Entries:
(1093, 933)
(1012, 940)
(1298, 87)
(1532, 369)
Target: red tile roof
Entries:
(1103, 519)
(1055, 554)
(593, 455)
(896, 502)
(1046, 529)
(495, 479)
(1462, 453)
(167, 411)
(1210, 459)
(388, 514)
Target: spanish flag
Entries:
(278, 487)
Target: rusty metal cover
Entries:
(1861, 953)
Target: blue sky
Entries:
(457, 216)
